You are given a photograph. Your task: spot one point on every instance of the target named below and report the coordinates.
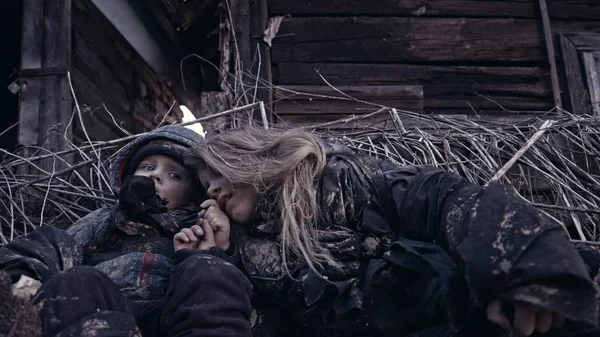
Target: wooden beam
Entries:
(386, 74)
(259, 17)
(317, 100)
(591, 61)
(445, 88)
(240, 14)
(46, 100)
(559, 9)
(31, 58)
(551, 54)
(584, 41)
(409, 40)
(404, 40)
(577, 93)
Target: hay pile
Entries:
(555, 165)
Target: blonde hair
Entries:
(284, 162)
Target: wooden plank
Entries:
(260, 53)
(575, 27)
(584, 41)
(380, 92)
(381, 121)
(577, 94)
(549, 41)
(408, 40)
(240, 14)
(342, 107)
(46, 99)
(592, 70)
(31, 58)
(559, 9)
(484, 96)
(514, 88)
(381, 74)
(327, 100)
(497, 113)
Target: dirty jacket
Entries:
(419, 248)
(131, 241)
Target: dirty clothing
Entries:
(422, 251)
(131, 242)
(18, 316)
(215, 302)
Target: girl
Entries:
(338, 244)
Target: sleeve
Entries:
(89, 228)
(502, 245)
(40, 255)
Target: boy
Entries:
(130, 247)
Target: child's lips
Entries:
(223, 202)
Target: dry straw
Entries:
(551, 160)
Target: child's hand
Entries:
(218, 221)
(199, 236)
(528, 318)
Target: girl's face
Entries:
(238, 202)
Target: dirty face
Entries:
(237, 201)
(171, 179)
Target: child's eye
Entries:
(147, 167)
(175, 175)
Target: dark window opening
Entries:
(202, 38)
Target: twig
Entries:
(128, 138)
(61, 172)
(524, 149)
(344, 120)
(263, 114)
(551, 54)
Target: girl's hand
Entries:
(218, 222)
(528, 318)
(199, 236)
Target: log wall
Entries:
(113, 85)
(470, 56)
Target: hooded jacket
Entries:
(419, 248)
(131, 241)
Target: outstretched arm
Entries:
(505, 247)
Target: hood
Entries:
(177, 134)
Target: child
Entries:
(339, 244)
(130, 247)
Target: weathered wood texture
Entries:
(31, 58)
(290, 100)
(113, 84)
(558, 9)
(591, 62)
(414, 40)
(488, 58)
(578, 89)
(444, 87)
(45, 101)
(261, 56)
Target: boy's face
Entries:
(171, 179)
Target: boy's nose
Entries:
(155, 177)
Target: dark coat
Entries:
(131, 241)
(420, 248)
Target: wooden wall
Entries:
(469, 56)
(107, 72)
